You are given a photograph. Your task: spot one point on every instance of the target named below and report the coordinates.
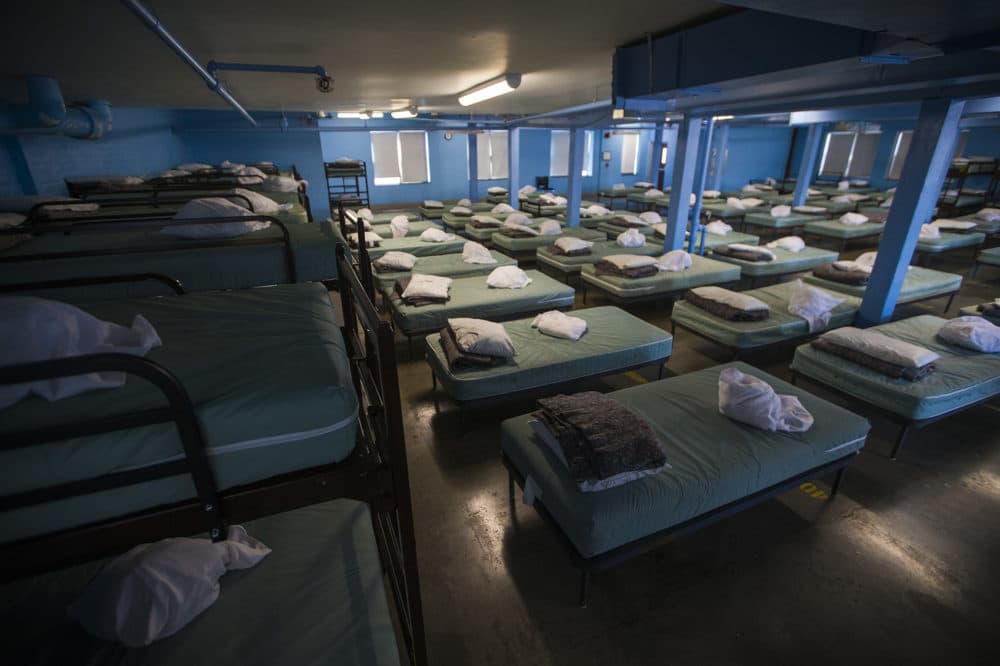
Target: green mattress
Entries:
(920, 283)
(642, 200)
(416, 228)
(727, 213)
(715, 240)
(415, 246)
(988, 228)
(385, 217)
(470, 297)
(780, 326)
(320, 589)
(784, 262)
(714, 461)
(268, 374)
(833, 207)
(532, 243)
(448, 265)
(453, 222)
(702, 272)
(789, 221)
(497, 198)
(837, 229)
(962, 376)
(612, 231)
(594, 221)
(990, 257)
(614, 341)
(572, 265)
(233, 264)
(949, 242)
(432, 213)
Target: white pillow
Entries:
(433, 203)
(550, 228)
(789, 243)
(400, 226)
(752, 248)
(496, 190)
(674, 261)
(400, 261)
(623, 261)
(652, 193)
(843, 185)
(734, 299)
(461, 210)
(651, 217)
(433, 235)
(751, 188)
(502, 208)
(465, 203)
(210, 208)
(989, 214)
(231, 166)
(572, 244)
(631, 238)
(171, 173)
(718, 227)
(634, 219)
(366, 214)
(972, 332)
(155, 590)
(517, 219)
(427, 286)
(781, 211)
(527, 189)
(734, 202)
(476, 253)
(508, 277)
(259, 202)
(479, 336)
(486, 219)
(595, 211)
(853, 219)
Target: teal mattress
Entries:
(268, 374)
(837, 229)
(453, 222)
(447, 265)
(594, 221)
(702, 272)
(771, 222)
(415, 229)
(833, 207)
(612, 231)
(497, 198)
(532, 243)
(386, 216)
(949, 242)
(470, 297)
(990, 257)
(614, 341)
(988, 228)
(572, 265)
(962, 376)
(415, 246)
(727, 213)
(920, 283)
(784, 262)
(432, 213)
(780, 326)
(714, 461)
(232, 264)
(320, 589)
(715, 240)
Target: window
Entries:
(849, 154)
(960, 144)
(400, 157)
(491, 155)
(559, 154)
(630, 154)
(901, 148)
(863, 155)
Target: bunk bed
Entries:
(663, 285)
(962, 378)
(955, 199)
(717, 467)
(318, 466)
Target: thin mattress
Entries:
(949, 242)
(962, 376)
(714, 460)
(837, 229)
(784, 262)
(447, 265)
(786, 222)
(385, 217)
(990, 257)
(919, 283)
(715, 240)
(413, 245)
(532, 243)
(571, 265)
(415, 228)
(702, 272)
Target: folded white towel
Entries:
(652, 193)
(508, 277)
(813, 304)
(479, 336)
(743, 247)
(989, 214)
(735, 202)
(517, 219)
(953, 224)
(618, 186)
(594, 211)
(781, 211)
(435, 236)
(502, 208)
(631, 238)
(674, 261)
(394, 260)
(751, 202)
(550, 228)
(853, 219)
(810, 209)
(527, 189)
(718, 227)
(366, 214)
(572, 244)
(929, 232)
(560, 325)
(372, 239)
(733, 299)
(879, 345)
(465, 203)
(433, 203)
(972, 332)
(36, 329)
(844, 185)
(400, 226)
(650, 217)
(788, 243)
(427, 286)
(623, 261)
(475, 253)
(496, 190)
(753, 401)
(461, 210)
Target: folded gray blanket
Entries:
(514, 232)
(745, 255)
(600, 437)
(416, 301)
(725, 311)
(829, 272)
(555, 249)
(878, 365)
(603, 267)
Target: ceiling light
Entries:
(408, 112)
(488, 90)
(349, 115)
(618, 114)
(718, 118)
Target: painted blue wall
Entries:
(10, 179)
(753, 153)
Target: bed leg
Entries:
(975, 269)
(899, 441)
(794, 378)
(659, 373)
(584, 587)
(950, 300)
(836, 481)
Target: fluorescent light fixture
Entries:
(718, 118)
(361, 115)
(488, 90)
(408, 112)
(344, 114)
(618, 114)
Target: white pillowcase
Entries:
(427, 286)
(643, 184)
(435, 236)
(972, 332)
(400, 226)
(813, 304)
(210, 208)
(753, 401)
(259, 202)
(395, 260)
(572, 244)
(781, 211)
(502, 208)
(674, 261)
(486, 219)
(508, 277)
(789, 243)
(252, 172)
(595, 211)
(718, 227)
(650, 217)
(843, 185)
(624, 261)
(479, 336)
(550, 228)
(879, 345)
(617, 186)
(743, 247)
(853, 219)
(631, 238)
(476, 253)
(560, 325)
(751, 188)
(527, 189)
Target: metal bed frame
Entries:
(375, 472)
(35, 215)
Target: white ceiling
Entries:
(381, 55)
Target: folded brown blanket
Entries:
(876, 364)
(624, 224)
(829, 272)
(745, 255)
(607, 268)
(458, 359)
(479, 224)
(724, 310)
(600, 437)
(514, 232)
(404, 282)
(582, 252)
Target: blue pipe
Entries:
(47, 113)
(213, 67)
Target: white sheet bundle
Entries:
(989, 214)
(753, 401)
(496, 190)
(435, 236)
(711, 194)
(572, 244)
(594, 211)
(971, 332)
(527, 189)
(427, 286)
(281, 184)
(812, 304)
(560, 325)
(501, 208)
(461, 210)
(433, 203)
(853, 219)
(155, 590)
(631, 238)
(36, 329)
(810, 209)
(213, 207)
(550, 228)
(958, 225)
(352, 220)
(650, 217)
(508, 277)
(372, 239)
(788, 243)
(929, 231)
(476, 253)
(781, 211)
(733, 299)
(881, 346)
(652, 193)
(718, 227)
(464, 203)
(743, 247)
(865, 262)
(400, 226)
(259, 202)
(674, 261)
(394, 260)
(479, 336)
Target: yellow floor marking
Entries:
(813, 490)
(636, 377)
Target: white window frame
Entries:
(498, 170)
(846, 172)
(633, 169)
(588, 154)
(897, 142)
(400, 180)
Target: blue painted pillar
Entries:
(473, 166)
(808, 165)
(670, 141)
(514, 162)
(720, 157)
(916, 195)
(654, 164)
(577, 142)
(699, 180)
(685, 161)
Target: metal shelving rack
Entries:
(346, 182)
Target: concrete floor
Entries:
(898, 569)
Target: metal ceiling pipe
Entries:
(154, 24)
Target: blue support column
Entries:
(720, 157)
(808, 166)
(654, 164)
(685, 161)
(913, 204)
(473, 166)
(514, 163)
(577, 142)
(699, 181)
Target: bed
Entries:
(413, 245)
(385, 217)
(622, 290)
(639, 201)
(593, 221)
(948, 242)
(433, 213)
(415, 228)
(989, 257)
(568, 266)
(982, 226)
(781, 327)
(920, 284)
(180, 454)
(784, 262)
(783, 224)
(718, 467)
(523, 249)
(833, 208)
(963, 377)
(615, 342)
(448, 265)
(844, 233)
